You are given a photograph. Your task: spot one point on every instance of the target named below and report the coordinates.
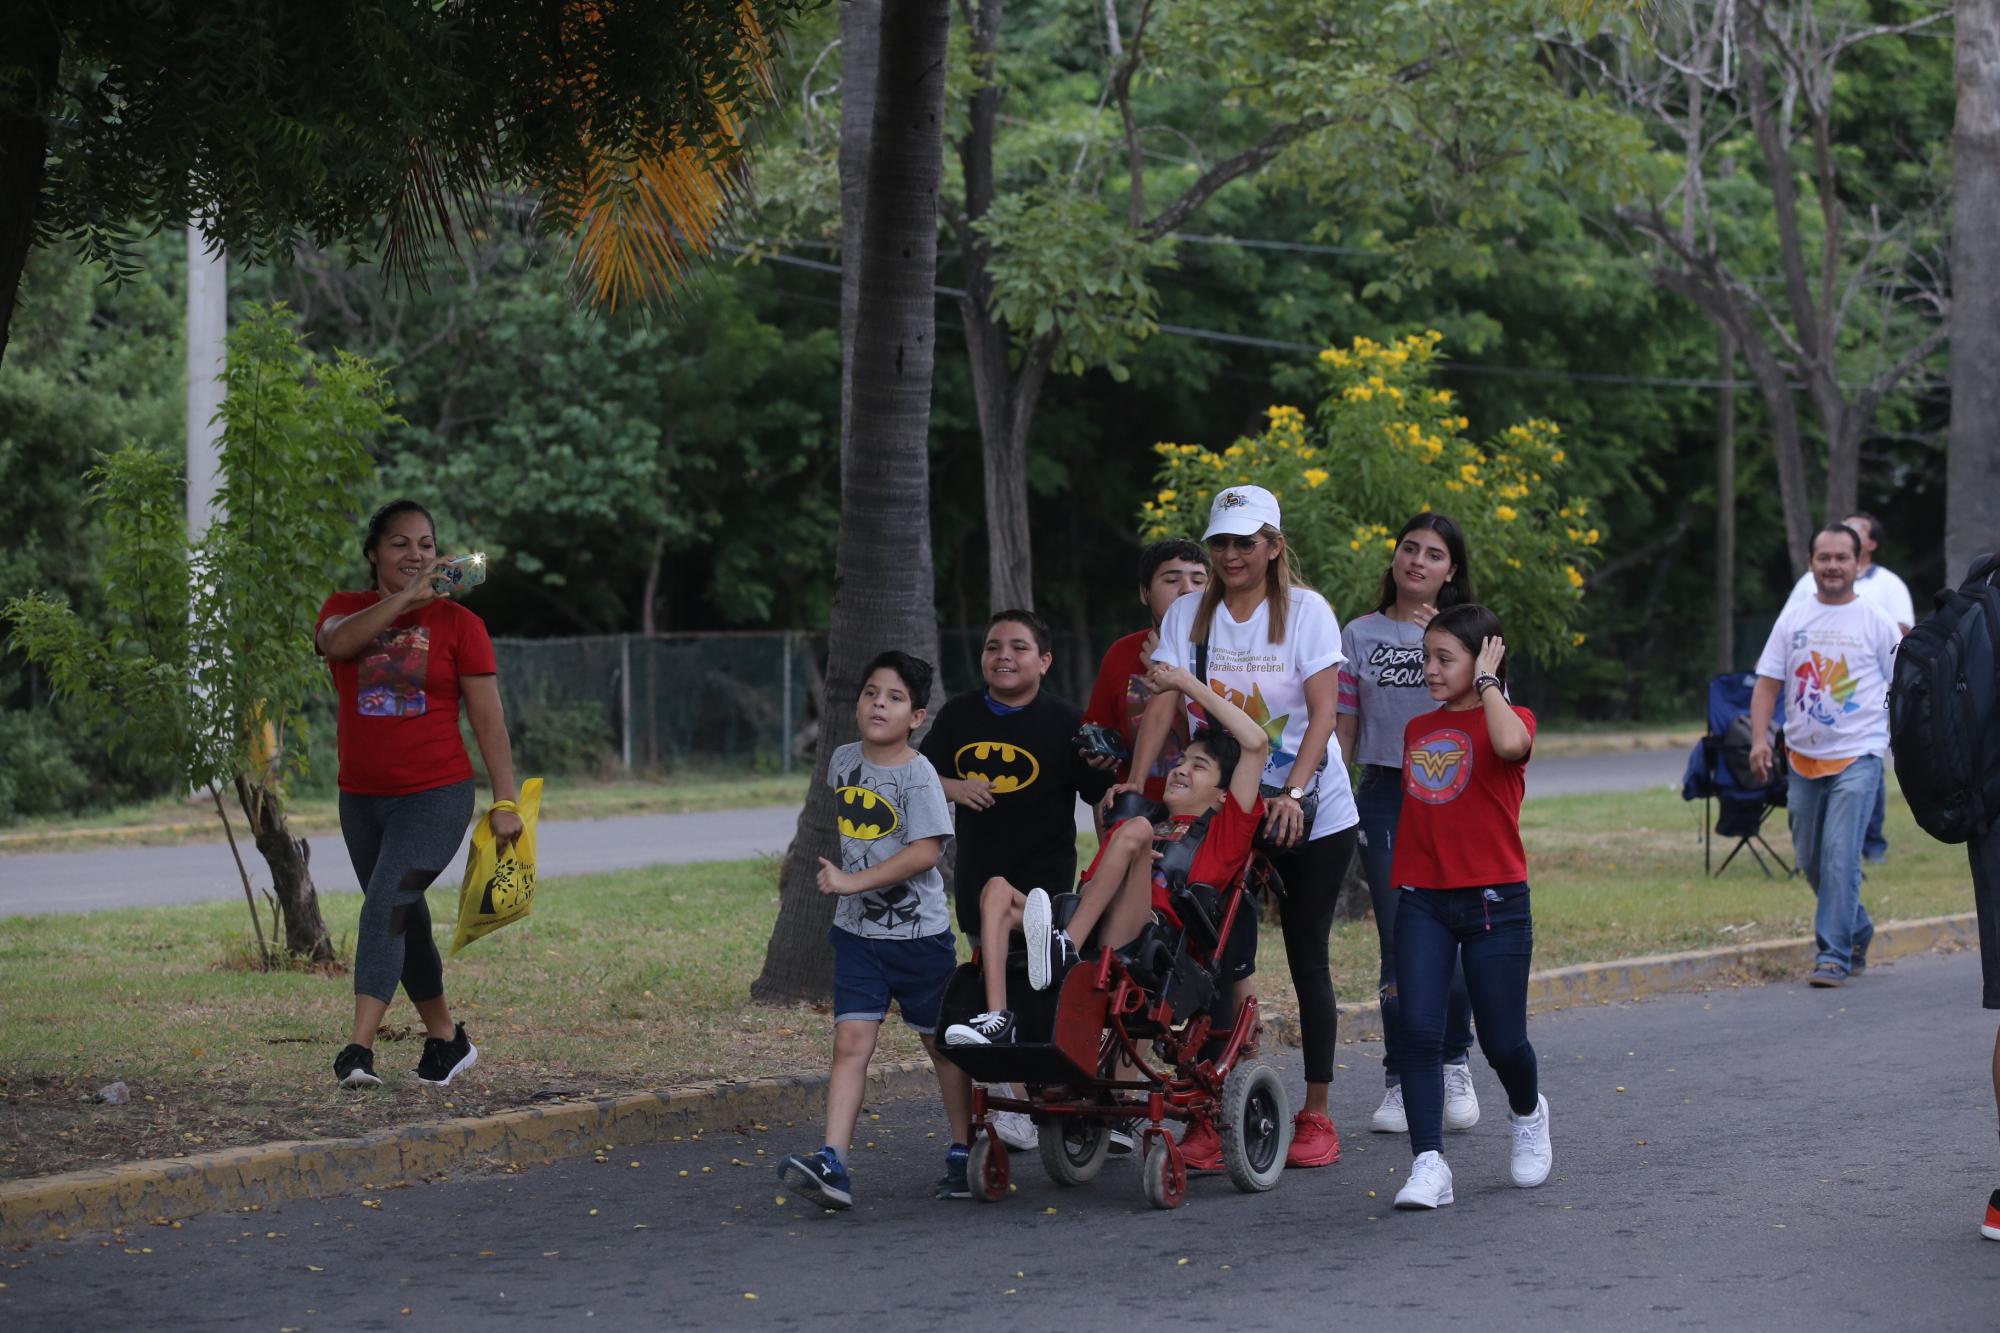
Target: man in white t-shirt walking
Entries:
(1830, 659)
(1878, 586)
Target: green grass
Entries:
(639, 979)
(167, 821)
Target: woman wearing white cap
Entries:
(1272, 645)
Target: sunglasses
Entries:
(1243, 544)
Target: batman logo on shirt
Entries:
(864, 813)
(895, 906)
(1003, 766)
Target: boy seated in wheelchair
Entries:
(1202, 837)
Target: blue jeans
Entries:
(1491, 932)
(1874, 845)
(1829, 819)
(1379, 800)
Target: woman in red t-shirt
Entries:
(402, 658)
(1463, 878)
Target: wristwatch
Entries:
(1296, 793)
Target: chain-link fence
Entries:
(745, 700)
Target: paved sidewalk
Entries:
(1773, 1158)
(87, 881)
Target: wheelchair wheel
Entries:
(986, 1167)
(1074, 1148)
(1255, 1122)
(1165, 1175)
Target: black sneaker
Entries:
(1859, 962)
(953, 1184)
(445, 1060)
(994, 1027)
(820, 1177)
(1050, 952)
(1124, 1138)
(355, 1067)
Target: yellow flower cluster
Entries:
(1382, 441)
(1370, 533)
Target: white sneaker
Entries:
(1533, 1155)
(1016, 1130)
(1429, 1185)
(1389, 1116)
(1461, 1103)
(1037, 920)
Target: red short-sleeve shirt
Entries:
(1118, 700)
(398, 725)
(1224, 851)
(1461, 822)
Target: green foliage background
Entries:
(696, 450)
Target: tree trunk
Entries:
(1725, 511)
(1972, 459)
(860, 51)
(1004, 404)
(882, 572)
(1788, 446)
(36, 44)
(291, 877)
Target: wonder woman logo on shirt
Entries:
(1439, 766)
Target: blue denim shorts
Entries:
(868, 973)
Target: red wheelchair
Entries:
(1131, 1034)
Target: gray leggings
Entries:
(399, 845)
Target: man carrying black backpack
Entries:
(1944, 725)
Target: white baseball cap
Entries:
(1241, 511)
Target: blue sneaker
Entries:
(954, 1184)
(822, 1178)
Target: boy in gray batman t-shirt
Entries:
(880, 811)
(891, 936)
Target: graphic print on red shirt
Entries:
(398, 714)
(1461, 821)
(393, 672)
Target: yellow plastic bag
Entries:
(499, 888)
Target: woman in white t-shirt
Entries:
(1272, 645)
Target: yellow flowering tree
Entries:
(1386, 443)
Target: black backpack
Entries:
(1944, 709)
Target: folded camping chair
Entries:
(1718, 770)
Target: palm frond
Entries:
(646, 213)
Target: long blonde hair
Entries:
(1279, 580)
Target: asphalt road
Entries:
(86, 881)
(1774, 1158)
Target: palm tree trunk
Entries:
(883, 594)
(1972, 456)
(35, 48)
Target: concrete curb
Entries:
(1635, 978)
(55, 1207)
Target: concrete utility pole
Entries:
(1972, 455)
(207, 328)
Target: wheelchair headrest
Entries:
(1133, 805)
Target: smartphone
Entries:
(458, 573)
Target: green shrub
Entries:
(38, 773)
(553, 738)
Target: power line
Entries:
(1310, 349)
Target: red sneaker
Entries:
(1201, 1147)
(1315, 1142)
(1991, 1227)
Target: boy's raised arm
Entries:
(1222, 713)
